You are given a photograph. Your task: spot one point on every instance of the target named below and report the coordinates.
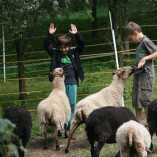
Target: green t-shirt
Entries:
(69, 70)
(65, 60)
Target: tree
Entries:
(94, 16)
(19, 18)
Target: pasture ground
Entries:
(79, 148)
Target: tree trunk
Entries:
(94, 15)
(61, 3)
(21, 71)
(74, 5)
(120, 48)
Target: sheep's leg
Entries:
(125, 153)
(139, 147)
(45, 138)
(98, 148)
(118, 154)
(73, 129)
(92, 146)
(65, 128)
(56, 139)
(20, 151)
(24, 144)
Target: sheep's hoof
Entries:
(45, 147)
(66, 136)
(66, 151)
(57, 147)
(118, 154)
(151, 146)
(59, 133)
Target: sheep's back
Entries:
(107, 119)
(152, 110)
(134, 129)
(54, 108)
(106, 97)
(22, 120)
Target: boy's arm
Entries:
(80, 42)
(48, 41)
(79, 39)
(152, 49)
(144, 59)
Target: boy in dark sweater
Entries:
(64, 56)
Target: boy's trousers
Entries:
(71, 91)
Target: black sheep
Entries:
(152, 118)
(23, 122)
(102, 125)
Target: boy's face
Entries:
(64, 49)
(134, 37)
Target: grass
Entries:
(39, 88)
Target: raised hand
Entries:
(73, 29)
(52, 28)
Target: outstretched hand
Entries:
(52, 28)
(73, 29)
(141, 63)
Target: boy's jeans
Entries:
(71, 92)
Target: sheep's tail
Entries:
(130, 139)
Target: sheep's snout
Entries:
(129, 70)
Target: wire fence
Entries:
(12, 77)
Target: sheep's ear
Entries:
(120, 72)
(50, 74)
(64, 74)
(113, 73)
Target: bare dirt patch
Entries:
(35, 147)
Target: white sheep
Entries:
(109, 96)
(55, 109)
(133, 139)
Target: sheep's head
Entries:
(123, 72)
(58, 72)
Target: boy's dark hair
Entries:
(64, 40)
(130, 28)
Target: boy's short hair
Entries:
(130, 28)
(64, 40)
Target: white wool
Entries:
(55, 109)
(109, 96)
(134, 134)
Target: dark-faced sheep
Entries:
(55, 109)
(152, 118)
(109, 96)
(102, 125)
(23, 122)
(133, 139)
